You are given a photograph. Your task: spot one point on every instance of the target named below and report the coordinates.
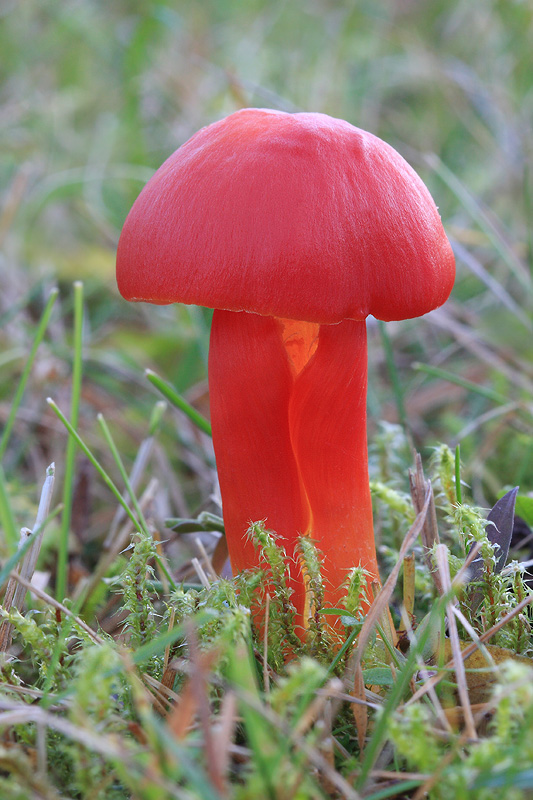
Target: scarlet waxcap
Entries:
(291, 215)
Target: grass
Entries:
(131, 671)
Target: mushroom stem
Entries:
(288, 410)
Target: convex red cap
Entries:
(289, 215)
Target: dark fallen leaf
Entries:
(500, 522)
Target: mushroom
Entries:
(294, 228)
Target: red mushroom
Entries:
(294, 228)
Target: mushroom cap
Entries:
(292, 215)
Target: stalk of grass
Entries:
(400, 789)
(458, 492)
(139, 523)
(528, 204)
(124, 475)
(7, 520)
(68, 480)
(346, 647)
(139, 466)
(179, 401)
(437, 372)
(94, 461)
(400, 686)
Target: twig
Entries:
(441, 554)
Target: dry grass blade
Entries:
(409, 584)
(311, 753)
(12, 199)
(315, 709)
(485, 637)
(19, 580)
(459, 667)
(108, 746)
(327, 742)
(220, 555)
(223, 734)
(200, 572)
(199, 684)
(360, 710)
(424, 674)
(463, 575)
(168, 672)
(381, 602)
(182, 716)
(207, 561)
(429, 533)
(471, 648)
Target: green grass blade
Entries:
(123, 473)
(96, 464)
(399, 789)
(177, 400)
(41, 330)
(398, 690)
(139, 524)
(68, 481)
(125, 477)
(7, 520)
(437, 372)
(458, 491)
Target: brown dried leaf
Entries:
(360, 711)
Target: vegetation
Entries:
(131, 670)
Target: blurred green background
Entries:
(95, 95)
